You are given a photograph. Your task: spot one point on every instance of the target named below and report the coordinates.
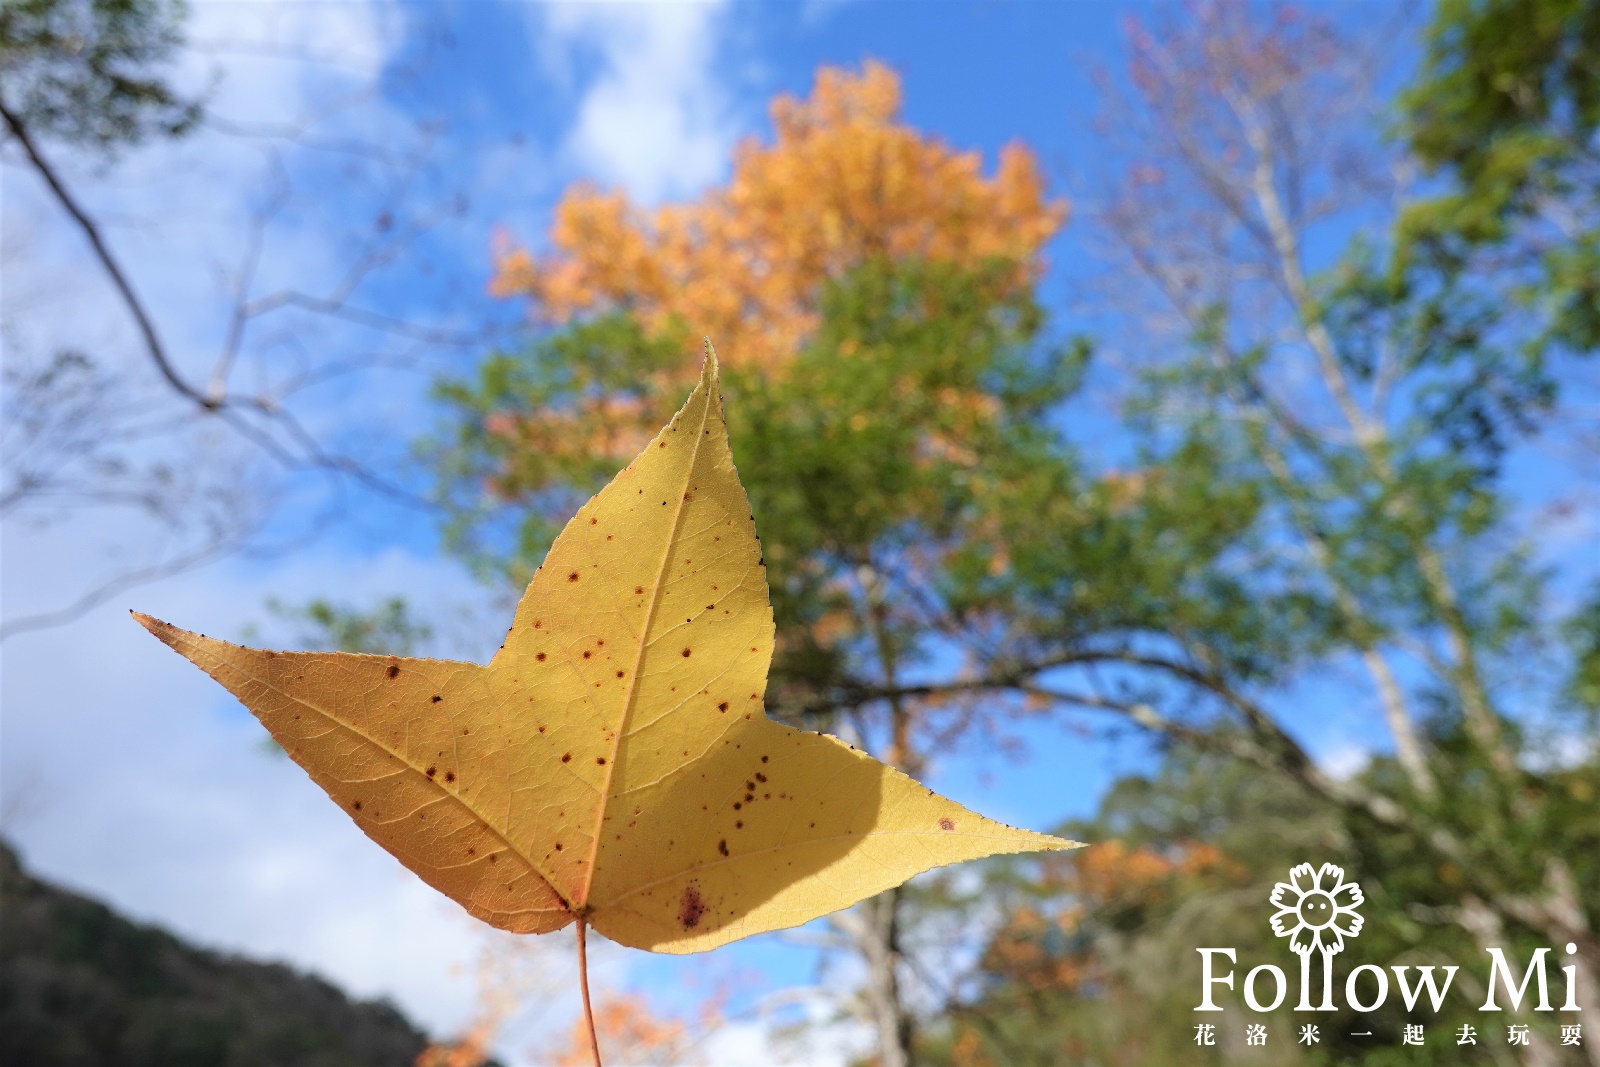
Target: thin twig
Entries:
(208, 552)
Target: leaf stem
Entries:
(583, 985)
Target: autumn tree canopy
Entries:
(622, 296)
(844, 181)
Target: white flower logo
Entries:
(1316, 910)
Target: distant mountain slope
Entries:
(81, 986)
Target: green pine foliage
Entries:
(1507, 111)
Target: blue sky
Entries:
(129, 775)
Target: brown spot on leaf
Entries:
(356, 805)
(722, 846)
(432, 771)
(691, 907)
(722, 706)
(566, 757)
(539, 656)
(686, 653)
(558, 846)
(759, 776)
(946, 825)
(619, 674)
(601, 760)
(393, 670)
(572, 577)
(587, 653)
(739, 825)
(437, 698)
(449, 776)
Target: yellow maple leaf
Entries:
(613, 762)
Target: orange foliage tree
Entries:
(631, 1033)
(843, 182)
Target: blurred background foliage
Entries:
(1317, 485)
(1343, 304)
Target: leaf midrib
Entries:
(636, 678)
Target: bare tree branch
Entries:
(147, 330)
(212, 550)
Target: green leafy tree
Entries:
(1318, 494)
(1583, 631)
(387, 629)
(1093, 958)
(1507, 111)
(90, 72)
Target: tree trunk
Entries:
(1560, 916)
(878, 936)
(874, 927)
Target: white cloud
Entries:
(1345, 760)
(656, 117)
